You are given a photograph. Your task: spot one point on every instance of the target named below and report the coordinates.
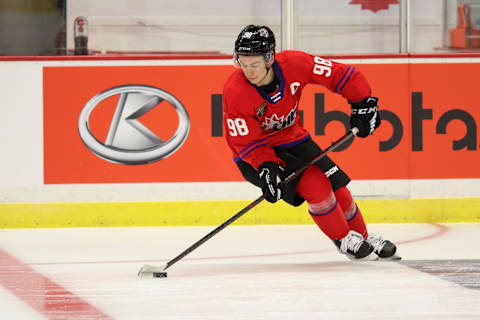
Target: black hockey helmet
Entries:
(255, 41)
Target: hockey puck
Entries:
(159, 274)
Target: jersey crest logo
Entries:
(277, 123)
(294, 87)
(261, 109)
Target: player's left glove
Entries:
(365, 116)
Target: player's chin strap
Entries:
(266, 74)
(157, 271)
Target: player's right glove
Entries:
(365, 116)
(270, 174)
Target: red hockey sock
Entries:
(315, 188)
(352, 212)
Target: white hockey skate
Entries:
(384, 249)
(355, 247)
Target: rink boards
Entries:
(191, 213)
(420, 166)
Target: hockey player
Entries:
(268, 140)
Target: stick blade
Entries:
(395, 257)
(149, 271)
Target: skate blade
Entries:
(371, 257)
(392, 258)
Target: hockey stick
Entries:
(159, 272)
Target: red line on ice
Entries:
(43, 294)
(441, 229)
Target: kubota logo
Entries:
(128, 141)
(419, 114)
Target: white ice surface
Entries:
(244, 272)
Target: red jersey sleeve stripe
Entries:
(257, 146)
(342, 78)
(347, 79)
(251, 145)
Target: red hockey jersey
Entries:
(256, 122)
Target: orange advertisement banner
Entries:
(119, 124)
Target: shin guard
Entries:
(315, 188)
(352, 212)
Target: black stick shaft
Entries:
(292, 176)
(347, 136)
(215, 231)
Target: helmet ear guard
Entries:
(269, 56)
(235, 61)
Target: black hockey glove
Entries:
(365, 116)
(270, 174)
